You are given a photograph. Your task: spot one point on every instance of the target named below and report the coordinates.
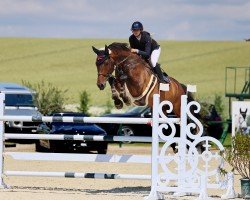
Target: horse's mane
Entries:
(119, 46)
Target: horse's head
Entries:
(243, 113)
(105, 66)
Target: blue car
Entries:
(63, 128)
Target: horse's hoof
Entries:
(118, 104)
(127, 102)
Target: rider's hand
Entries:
(134, 50)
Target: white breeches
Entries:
(155, 56)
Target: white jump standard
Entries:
(191, 179)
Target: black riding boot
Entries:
(157, 70)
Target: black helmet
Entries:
(137, 26)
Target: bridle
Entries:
(108, 75)
(116, 66)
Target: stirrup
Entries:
(166, 79)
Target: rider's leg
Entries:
(157, 70)
(156, 67)
(155, 57)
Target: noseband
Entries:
(102, 60)
(105, 75)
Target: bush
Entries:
(48, 98)
(238, 156)
(207, 105)
(219, 106)
(108, 106)
(84, 102)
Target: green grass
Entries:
(70, 63)
(228, 142)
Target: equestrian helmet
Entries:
(137, 26)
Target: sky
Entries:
(164, 19)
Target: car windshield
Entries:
(137, 109)
(19, 100)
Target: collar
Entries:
(138, 37)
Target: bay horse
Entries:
(134, 79)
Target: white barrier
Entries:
(113, 120)
(78, 175)
(107, 138)
(76, 157)
(80, 157)
(188, 180)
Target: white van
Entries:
(19, 101)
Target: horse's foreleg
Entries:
(115, 94)
(123, 95)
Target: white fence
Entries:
(190, 179)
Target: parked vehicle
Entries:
(212, 129)
(19, 101)
(130, 129)
(64, 128)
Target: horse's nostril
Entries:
(101, 86)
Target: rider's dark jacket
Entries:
(145, 45)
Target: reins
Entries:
(123, 60)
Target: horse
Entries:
(134, 79)
(242, 122)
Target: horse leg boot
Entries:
(124, 97)
(115, 95)
(157, 70)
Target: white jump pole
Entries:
(108, 138)
(2, 98)
(154, 194)
(73, 157)
(78, 175)
(107, 120)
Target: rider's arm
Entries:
(131, 43)
(146, 54)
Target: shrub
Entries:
(206, 105)
(84, 102)
(109, 106)
(219, 106)
(48, 98)
(238, 156)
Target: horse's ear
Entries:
(95, 50)
(107, 50)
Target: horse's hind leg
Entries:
(115, 95)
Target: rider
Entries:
(142, 44)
